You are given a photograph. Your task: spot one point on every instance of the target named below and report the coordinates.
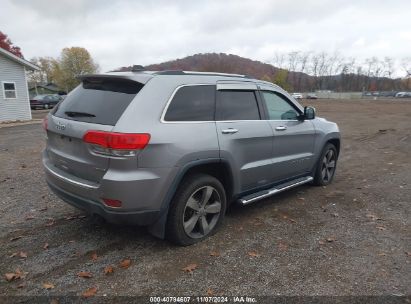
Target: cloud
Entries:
(125, 32)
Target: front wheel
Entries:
(326, 166)
(197, 210)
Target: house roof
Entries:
(17, 59)
(48, 86)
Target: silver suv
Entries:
(171, 150)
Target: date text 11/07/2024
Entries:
(203, 299)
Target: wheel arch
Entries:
(220, 170)
(336, 142)
(216, 167)
(332, 138)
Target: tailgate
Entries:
(67, 151)
(96, 104)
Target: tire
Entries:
(188, 221)
(326, 166)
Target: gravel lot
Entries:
(350, 238)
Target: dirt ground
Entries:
(350, 238)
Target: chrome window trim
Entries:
(284, 93)
(236, 86)
(162, 120)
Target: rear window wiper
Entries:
(77, 114)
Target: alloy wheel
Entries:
(202, 211)
(328, 165)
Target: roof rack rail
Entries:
(180, 72)
(170, 72)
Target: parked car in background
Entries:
(403, 95)
(127, 147)
(388, 93)
(297, 95)
(46, 101)
(312, 96)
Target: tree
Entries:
(406, 65)
(47, 66)
(280, 79)
(73, 62)
(5, 43)
(279, 60)
(266, 78)
(389, 67)
(303, 62)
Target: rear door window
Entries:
(98, 100)
(192, 103)
(237, 105)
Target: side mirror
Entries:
(309, 113)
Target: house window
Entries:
(9, 90)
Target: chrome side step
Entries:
(279, 188)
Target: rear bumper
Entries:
(141, 192)
(142, 218)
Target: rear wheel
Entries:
(326, 166)
(197, 210)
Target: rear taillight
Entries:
(116, 144)
(45, 123)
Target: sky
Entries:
(126, 32)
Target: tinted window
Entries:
(100, 101)
(238, 105)
(278, 107)
(192, 103)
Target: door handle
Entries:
(281, 128)
(229, 131)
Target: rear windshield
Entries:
(100, 101)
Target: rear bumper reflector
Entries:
(112, 202)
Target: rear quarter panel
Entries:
(172, 144)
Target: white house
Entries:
(14, 95)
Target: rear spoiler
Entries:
(141, 78)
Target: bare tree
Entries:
(303, 60)
(316, 71)
(389, 67)
(45, 74)
(322, 69)
(406, 65)
(348, 70)
(279, 60)
(292, 59)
